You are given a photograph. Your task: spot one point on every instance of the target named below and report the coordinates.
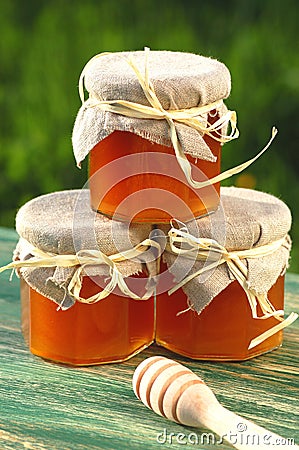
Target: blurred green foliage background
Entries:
(45, 44)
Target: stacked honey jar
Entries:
(153, 250)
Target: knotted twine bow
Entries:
(192, 117)
(204, 249)
(85, 258)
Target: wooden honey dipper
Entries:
(175, 392)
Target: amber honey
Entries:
(133, 179)
(111, 330)
(223, 330)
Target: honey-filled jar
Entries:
(152, 128)
(225, 277)
(85, 299)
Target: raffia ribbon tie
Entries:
(204, 249)
(192, 117)
(81, 260)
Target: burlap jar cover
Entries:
(246, 240)
(62, 240)
(180, 81)
(162, 96)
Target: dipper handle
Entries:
(176, 393)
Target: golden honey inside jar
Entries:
(82, 308)
(153, 127)
(224, 329)
(111, 330)
(234, 311)
(158, 190)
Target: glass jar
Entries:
(111, 330)
(151, 118)
(225, 273)
(60, 321)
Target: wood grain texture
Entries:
(55, 407)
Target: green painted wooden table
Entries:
(48, 406)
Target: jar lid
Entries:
(180, 81)
(62, 223)
(245, 220)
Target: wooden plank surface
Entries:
(50, 406)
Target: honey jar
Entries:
(65, 256)
(231, 306)
(153, 127)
